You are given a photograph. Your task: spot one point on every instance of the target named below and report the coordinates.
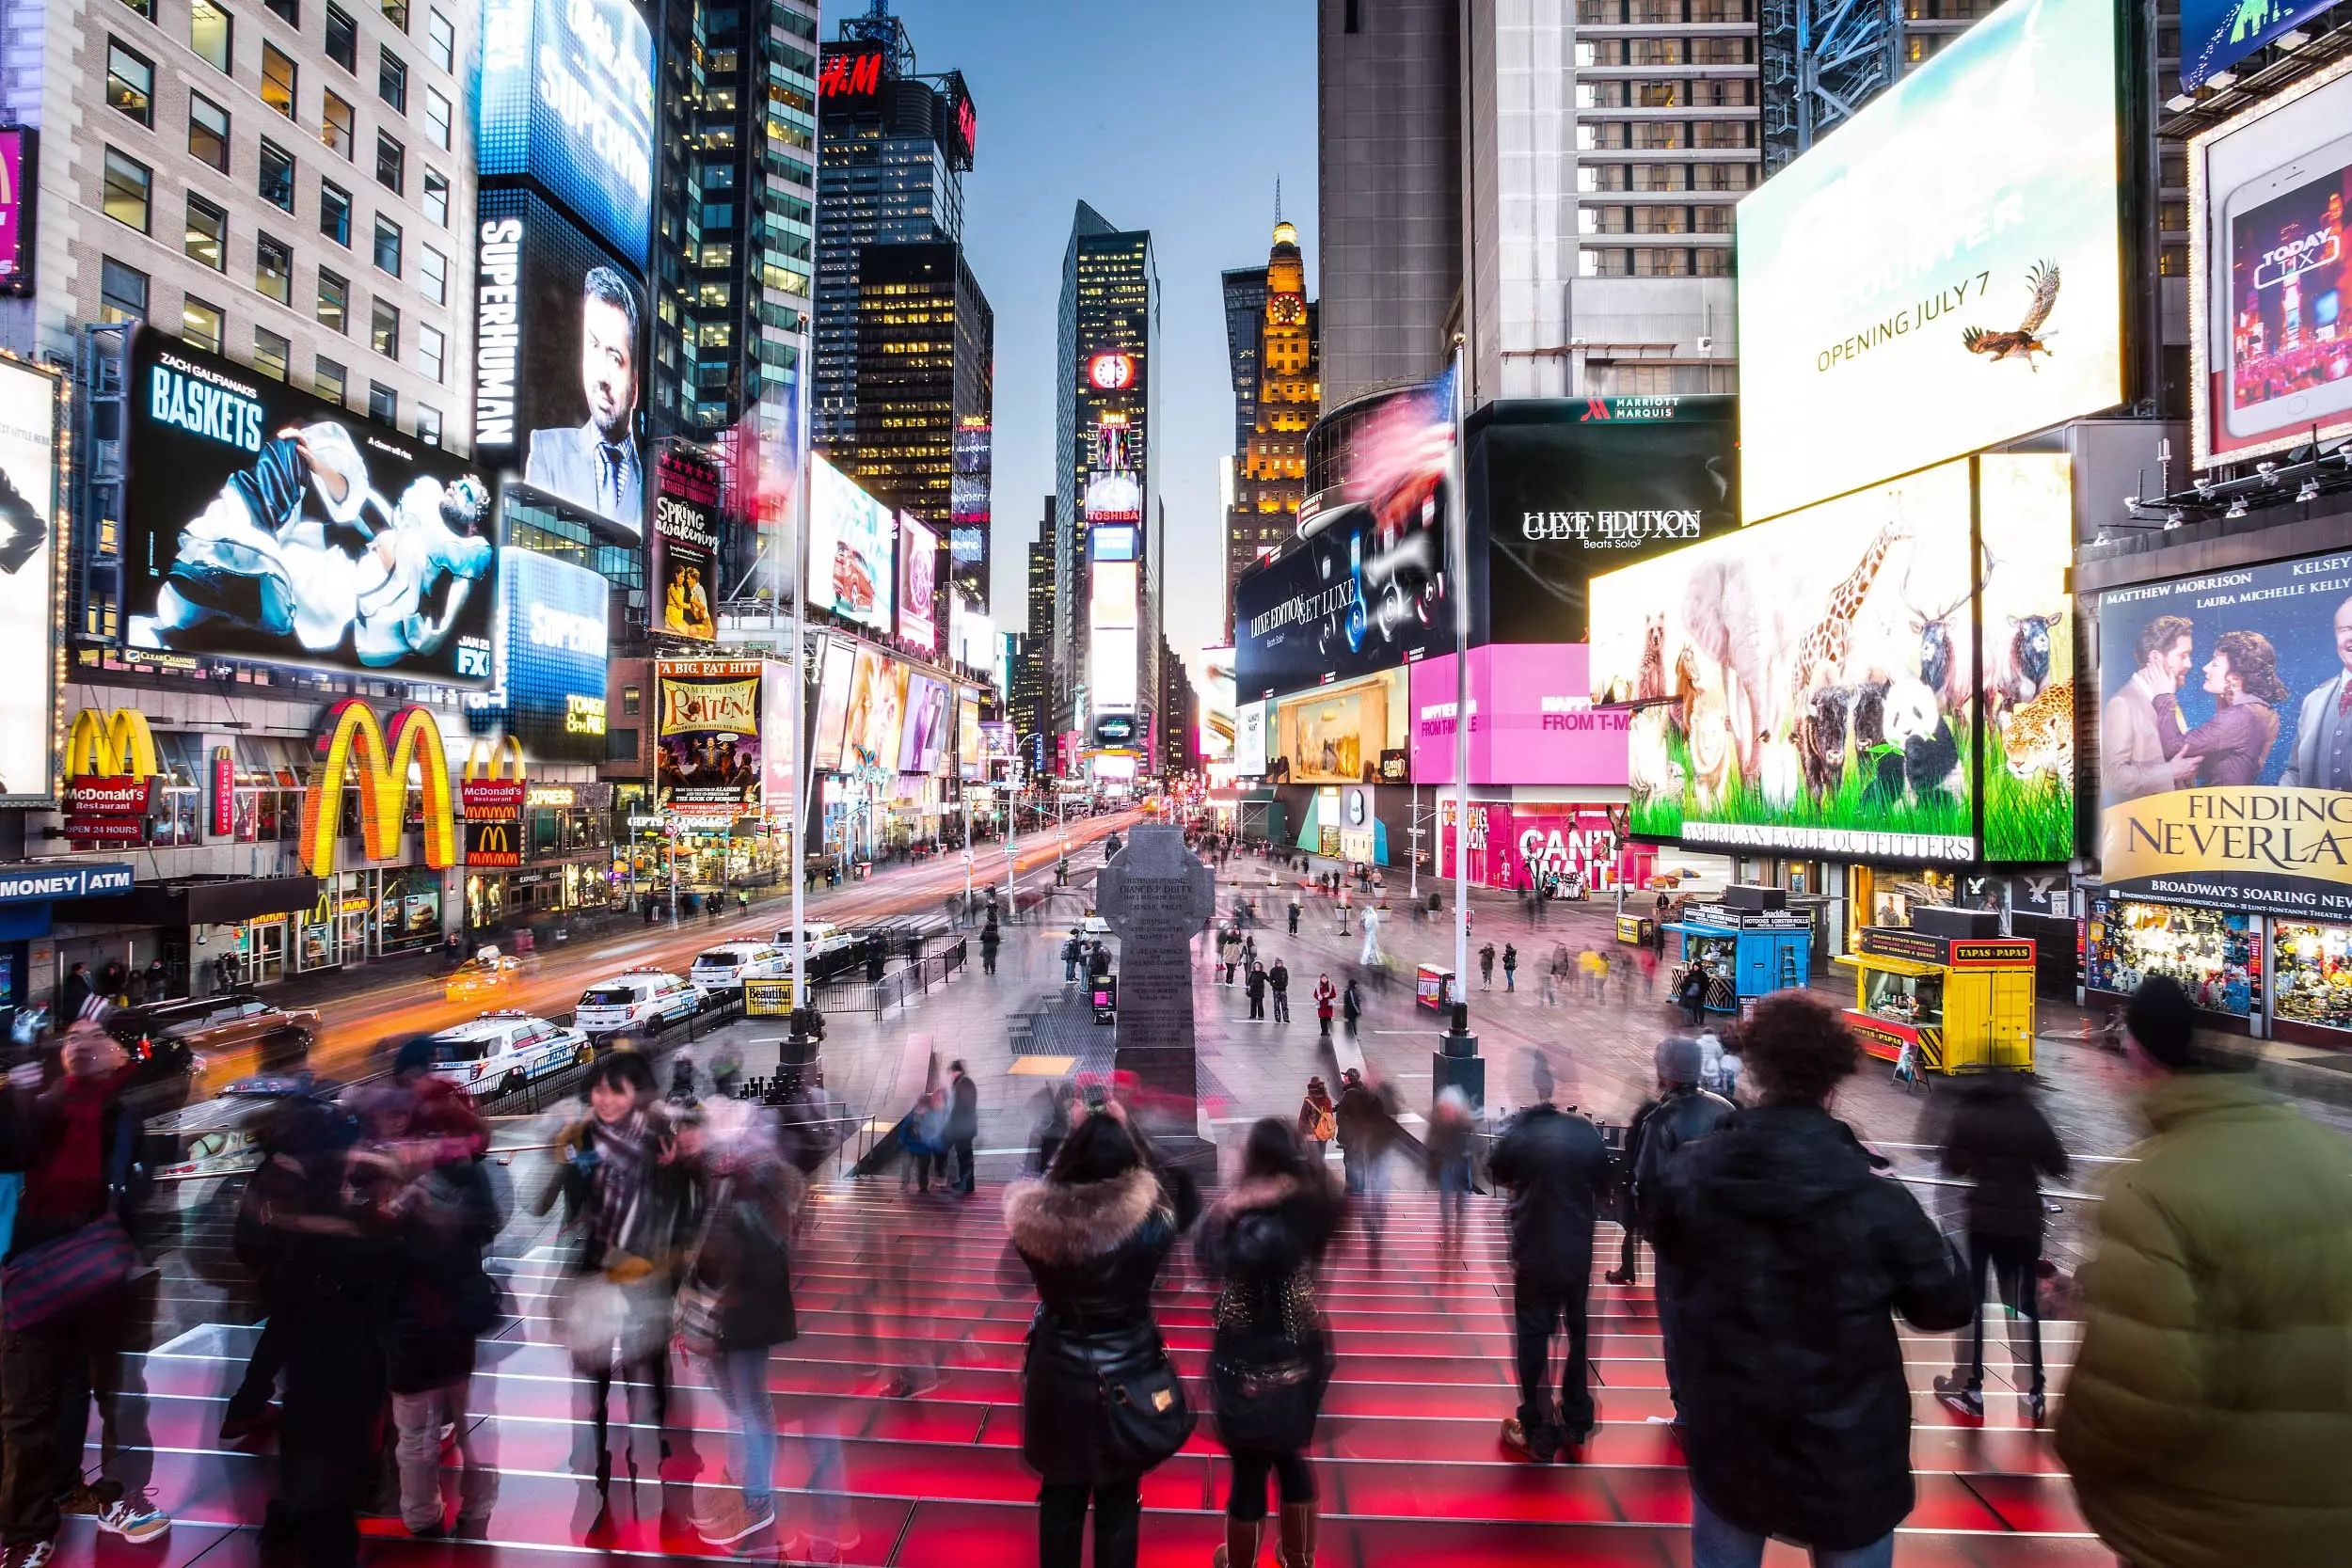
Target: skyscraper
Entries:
(1245, 304)
(1271, 473)
(1033, 673)
(926, 342)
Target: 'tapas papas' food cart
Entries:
(1966, 1004)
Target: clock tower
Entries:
(1270, 472)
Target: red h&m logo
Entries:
(854, 74)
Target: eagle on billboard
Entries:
(2041, 280)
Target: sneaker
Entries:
(134, 1518)
(2037, 1407)
(31, 1554)
(84, 1499)
(1961, 1398)
(736, 1522)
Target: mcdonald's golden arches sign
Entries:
(377, 757)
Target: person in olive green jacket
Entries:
(2210, 1411)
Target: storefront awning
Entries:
(196, 901)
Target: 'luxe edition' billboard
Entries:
(2225, 764)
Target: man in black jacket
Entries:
(1790, 1261)
(1557, 1169)
(964, 1126)
(2000, 1141)
(1681, 1113)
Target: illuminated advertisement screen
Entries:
(1116, 541)
(1531, 718)
(29, 561)
(261, 523)
(559, 375)
(1249, 739)
(2272, 277)
(849, 541)
(706, 735)
(1216, 743)
(565, 98)
(1890, 319)
(876, 712)
(1840, 636)
(2234, 793)
(549, 664)
(925, 734)
(1111, 663)
(682, 548)
(918, 583)
(971, 755)
(833, 706)
(1115, 594)
(20, 171)
(2217, 34)
(1339, 734)
(777, 797)
(2025, 504)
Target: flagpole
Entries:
(800, 478)
(1457, 547)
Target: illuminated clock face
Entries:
(1111, 373)
(1287, 308)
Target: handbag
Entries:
(695, 1314)
(1145, 1417)
(67, 1272)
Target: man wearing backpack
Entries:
(1072, 951)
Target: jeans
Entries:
(1717, 1544)
(1246, 1501)
(965, 1179)
(741, 1376)
(1353, 1162)
(1510, 979)
(2012, 1261)
(1536, 1311)
(1453, 1186)
(418, 1420)
(41, 1368)
(1068, 969)
(1281, 1007)
(1061, 1521)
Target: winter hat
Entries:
(1678, 1059)
(2163, 1020)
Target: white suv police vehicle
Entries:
(500, 1053)
(645, 1001)
(727, 966)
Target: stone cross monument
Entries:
(1156, 895)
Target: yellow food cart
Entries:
(1967, 1003)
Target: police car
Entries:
(727, 966)
(645, 1000)
(500, 1053)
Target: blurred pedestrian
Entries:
(2003, 1146)
(1358, 1114)
(1326, 993)
(73, 993)
(1270, 1359)
(1294, 915)
(991, 938)
(1691, 991)
(1102, 1402)
(1788, 1261)
(2213, 1381)
(1351, 1006)
(1510, 966)
(158, 979)
(1448, 1145)
(1278, 981)
(1557, 1169)
(1487, 967)
(1073, 951)
(1318, 1117)
(1255, 983)
(964, 1127)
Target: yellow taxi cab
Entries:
(487, 974)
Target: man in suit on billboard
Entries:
(596, 464)
(2323, 729)
(2132, 757)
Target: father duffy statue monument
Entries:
(1157, 895)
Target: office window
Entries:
(208, 33)
(277, 81)
(335, 124)
(272, 269)
(199, 324)
(144, 7)
(431, 347)
(130, 83)
(396, 12)
(433, 274)
(207, 238)
(334, 301)
(383, 403)
(436, 118)
(383, 329)
(440, 41)
(392, 163)
(428, 425)
(392, 79)
(208, 132)
(128, 185)
(335, 211)
(388, 245)
(342, 38)
(289, 12)
(270, 350)
(122, 294)
(276, 180)
(328, 378)
(437, 198)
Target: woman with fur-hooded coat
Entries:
(1093, 1235)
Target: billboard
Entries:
(777, 797)
(926, 736)
(1339, 734)
(1531, 718)
(1114, 494)
(832, 704)
(970, 752)
(1215, 739)
(2270, 277)
(2225, 756)
(876, 713)
(706, 736)
(1563, 489)
(2024, 504)
(849, 559)
(1250, 749)
(548, 691)
(261, 523)
(566, 99)
(2217, 34)
(1806, 684)
(919, 584)
(29, 566)
(20, 185)
(559, 374)
(968, 506)
(682, 548)
(1889, 320)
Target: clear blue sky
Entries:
(1175, 118)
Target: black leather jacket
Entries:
(1685, 1115)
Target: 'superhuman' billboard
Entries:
(566, 98)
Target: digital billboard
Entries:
(2270, 275)
(832, 704)
(566, 99)
(968, 506)
(927, 732)
(876, 713)
(1563, 489)
(1945, 274)
(1250, 749)
(849, 560)
(706, 736)
(2224, 770)
(778, 800)
(2026, 536)
(1111, 653)
(559, 374)
(919, 584)
(1338, 735)
(1807, 684)
(682, 548)
(548, 691)
(261, 523)
(20, 185)
(2217, 34)
(29, 565)
(970, 752)
(1114, 494)
(1531, 718)
(1215, 742)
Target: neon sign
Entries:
(383, 754)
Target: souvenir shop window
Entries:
(2313, 974)
(2216, 957)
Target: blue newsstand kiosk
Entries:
(1751, 944)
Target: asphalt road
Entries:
(353, 1027)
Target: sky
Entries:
(1173, 118)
